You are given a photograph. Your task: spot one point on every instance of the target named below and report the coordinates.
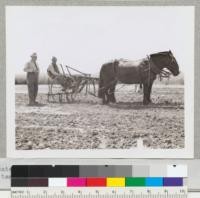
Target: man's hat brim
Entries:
(34, 55)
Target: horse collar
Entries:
(153, 68)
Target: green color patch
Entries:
(135, 181)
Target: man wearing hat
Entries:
(32, 70)
(54, 73)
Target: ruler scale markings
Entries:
(141, 192)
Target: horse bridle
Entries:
(158, 70)
(173, 60)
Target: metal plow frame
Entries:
(79, 82)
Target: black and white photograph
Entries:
(100, 81)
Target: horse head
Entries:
(166, 60)
(173, 65)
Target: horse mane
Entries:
(160, 53)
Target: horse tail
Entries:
(101, 84)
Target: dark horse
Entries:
(132, 72)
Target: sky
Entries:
(86, 37)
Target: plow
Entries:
(79, 82)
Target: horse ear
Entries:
(115, 61)
(170, 51)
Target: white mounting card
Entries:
(87, 37)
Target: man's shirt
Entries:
(31, 67)
(53, 71)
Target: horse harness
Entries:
(148, 70)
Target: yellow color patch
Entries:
(115, 181)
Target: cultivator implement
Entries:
(79, 83)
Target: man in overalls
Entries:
(32, 70)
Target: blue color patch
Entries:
(154, 181)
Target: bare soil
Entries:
(87, 124)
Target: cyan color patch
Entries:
(154, 181)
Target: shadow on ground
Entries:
(139, 105)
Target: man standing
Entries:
(32, 70)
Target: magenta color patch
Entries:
(76, 181)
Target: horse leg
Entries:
(141, 87)
(135, 88)
(145, 92)
(112, 94)
(103, 97)
(107, 96)
(149, 91)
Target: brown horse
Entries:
(134, 72)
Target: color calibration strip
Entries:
(98, 182)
